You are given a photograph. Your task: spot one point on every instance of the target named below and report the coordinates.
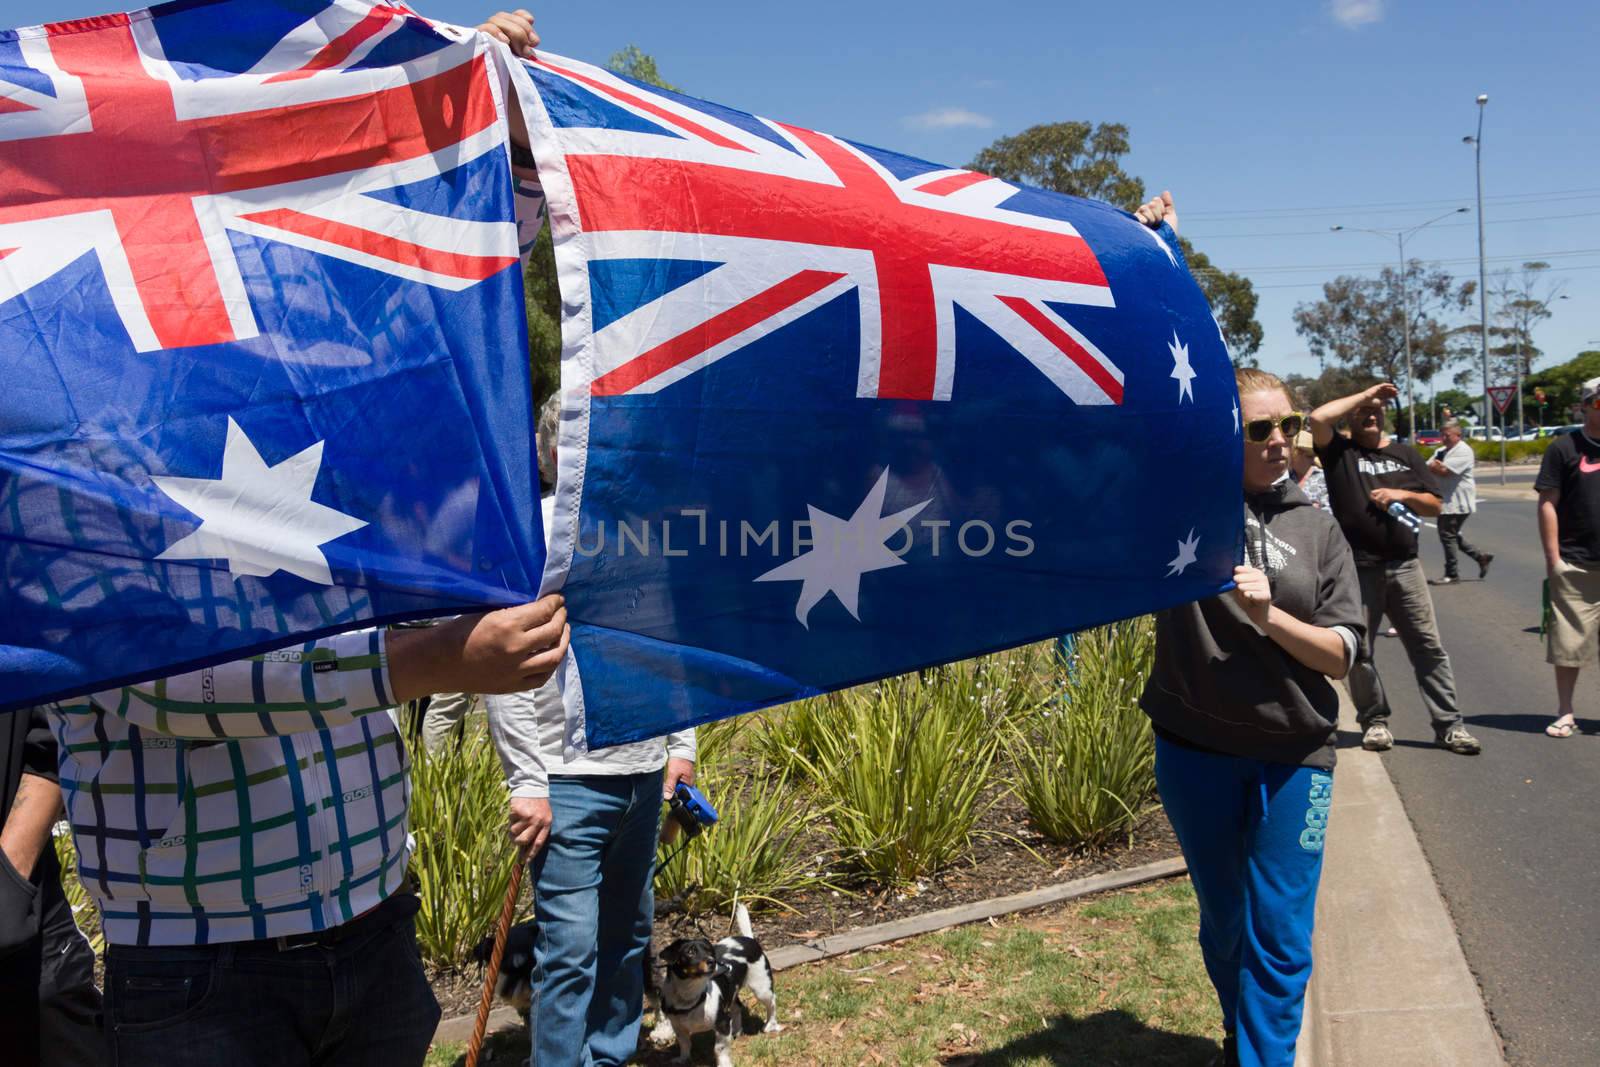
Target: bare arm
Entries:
(1549, 528)
(1326, 417)
(1318, 647)
(1425, 504)
(27, 830)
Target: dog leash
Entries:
(492, 973)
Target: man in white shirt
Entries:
(1453, 463)
(590, 825)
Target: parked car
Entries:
(1491, 433)
(1429, 438)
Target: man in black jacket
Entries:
(49, 1006)
(1377, 488)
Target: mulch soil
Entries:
(999, 864)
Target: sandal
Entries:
(1562, 727)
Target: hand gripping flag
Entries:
(831, 413)
(261, 334)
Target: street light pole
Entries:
(1405, 302)
(1483, 283)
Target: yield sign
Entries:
(1502, 395)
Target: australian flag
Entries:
(262, 336)
(831, 413)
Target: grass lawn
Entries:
(1116, 979)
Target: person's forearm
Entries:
(27, 830)
(1549, 533)
(1328, 415)
(1425, 504)
(1318, 647)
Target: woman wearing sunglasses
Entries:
(1244, 716)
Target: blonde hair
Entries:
(1256, 380)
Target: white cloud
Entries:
(948, 118)
(1353, 13)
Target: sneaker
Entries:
(1457, 740)
(1377, 738)
(1483, 565)
(1448, 579)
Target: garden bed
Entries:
(998, 866)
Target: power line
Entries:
(1387, 206)
(1442, 226)
(1375, 265)
(1319, 285)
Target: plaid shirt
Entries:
(250, 800)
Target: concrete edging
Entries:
(459, 1028)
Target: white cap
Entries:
(1589, 390)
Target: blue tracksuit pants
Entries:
(1252, 834)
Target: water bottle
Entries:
(1405, 516)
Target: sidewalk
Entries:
(1390, 984)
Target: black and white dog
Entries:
(514, 984)
(701, 989)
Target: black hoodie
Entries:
(1222, 685)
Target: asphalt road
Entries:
(1514, 834)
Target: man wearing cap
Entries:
(1452, 464)
(1569, 530)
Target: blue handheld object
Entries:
(696, 804)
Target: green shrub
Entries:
(1085, 761)
(906, 763)
(1489, 451)
(787, 739)
(464, 856)
(754, 853)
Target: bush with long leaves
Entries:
(464, 857)
(754, 853)
(1085, 759)
(907, 764)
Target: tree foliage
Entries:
(1085, 160)
(633, 62)
(1560, 384)
(1360, 323)
(1066, 157)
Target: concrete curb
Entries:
(458, 1029)
(930, 922)
(1389, 973)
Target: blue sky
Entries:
(1271, 122)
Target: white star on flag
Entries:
(1181, 370)
(1235, 416)
(842, 551)
(260, 519)
(1158, 239)
(1186, 555)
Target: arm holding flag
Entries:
(335, 681)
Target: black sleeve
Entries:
(1429, 484)
(39, 752)
(1334, 449)
(1552, 466)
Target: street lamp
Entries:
(1405, 301)
(1483, 281)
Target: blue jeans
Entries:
(359, 1001)
(593, 906)
(1252, 834)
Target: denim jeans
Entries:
(593, 906)
(1400, 591)
(362, 1001)
(1252, 833)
